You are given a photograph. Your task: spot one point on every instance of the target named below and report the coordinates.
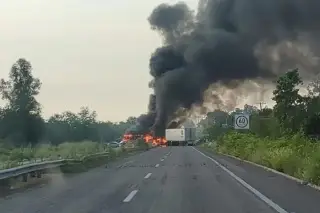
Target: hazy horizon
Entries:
(86, 53)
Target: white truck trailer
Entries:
(182, 136)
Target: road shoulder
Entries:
(287, 193)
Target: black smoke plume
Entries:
(145, 121)
(226, 42)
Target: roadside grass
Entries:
(294, 155)
(83, 156)
(12, 157)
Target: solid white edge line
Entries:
(157, 165)
(148, 175)
(275, 171)
(130, 196)
(246, 185)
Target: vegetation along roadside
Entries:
(284, 138)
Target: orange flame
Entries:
(148, 138)
(160, 141)
(127, 137)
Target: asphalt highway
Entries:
(168, 180)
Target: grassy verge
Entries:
(84, 158)
(80, 152)
(296, 156)
(12, 157)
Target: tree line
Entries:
(293, 113)
(21, 121)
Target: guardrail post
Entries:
(39, 174)
(25, 177)
(33, 174)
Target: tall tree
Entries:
(131, 120)
(289, 104)
(25, 124)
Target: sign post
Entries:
(242, 121)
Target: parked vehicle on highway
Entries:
(182, 136)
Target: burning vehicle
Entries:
(148, 138)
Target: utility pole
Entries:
(261, 104)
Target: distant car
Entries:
(114, 144)
(121, 143)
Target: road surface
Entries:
(168, 180)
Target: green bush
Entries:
(10, 157)
(293, 155)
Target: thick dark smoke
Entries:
(226, 42)
(145, 121)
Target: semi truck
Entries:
(181, 137)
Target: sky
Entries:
(91, 53)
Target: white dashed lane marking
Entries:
(148, 175)
(130, 196)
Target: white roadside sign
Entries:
(242, 121)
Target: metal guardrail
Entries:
(25, 169)
(36, 167)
